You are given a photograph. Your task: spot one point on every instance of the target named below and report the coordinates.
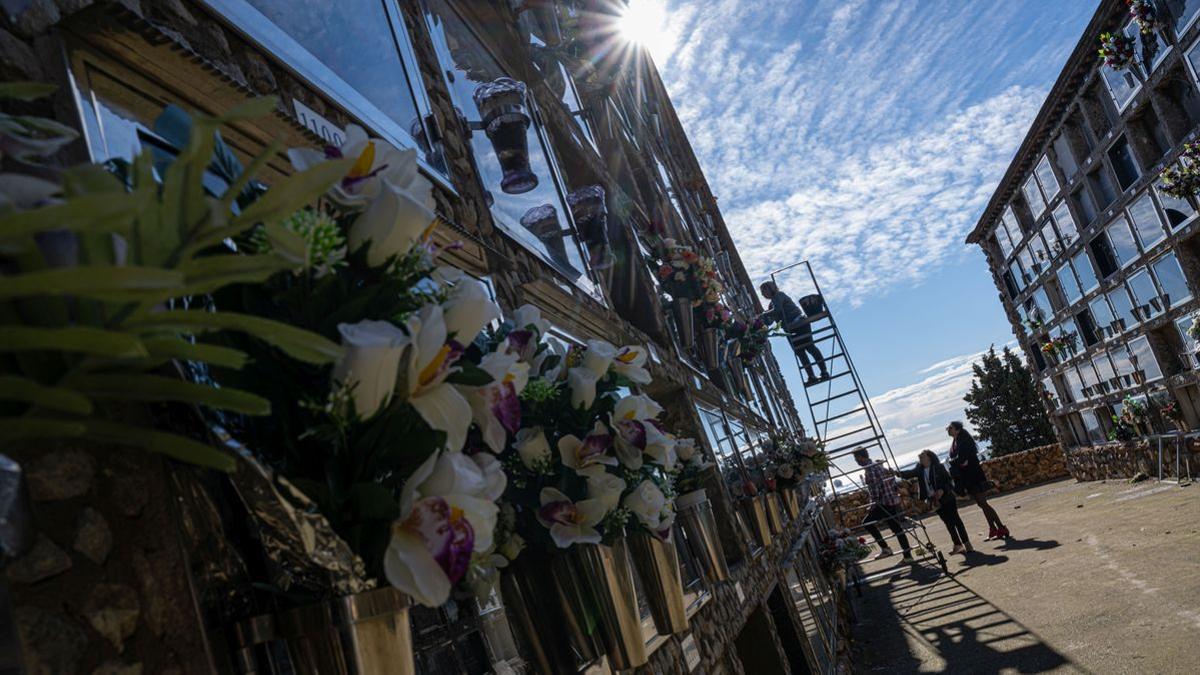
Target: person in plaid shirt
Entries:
(885, 503)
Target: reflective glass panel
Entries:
(1034, 197)
(1120, 238)
(1145, 221)
(1083, 268)
(1066, 224)
(1045, 176)
(1170, 279)
(1143, 357)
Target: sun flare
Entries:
(644, 22)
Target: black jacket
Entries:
(964, 462)
(941, 481)
(784, 310)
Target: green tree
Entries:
(1004, 405)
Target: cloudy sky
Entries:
(866, 137)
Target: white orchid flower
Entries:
(637, 407)
(529, 316)
(685, 448)
(570, 522)
(371, 362)
(495, 408)
(445, 516)
(377, 162)
(630, 362)
(598, 357)
(430, 360)
(588, 452)
(393, 222)
(582, 383)
(651, 507)
(532, 447)
(604, 486)
(660, 446)
(554, 347)
(468, 308)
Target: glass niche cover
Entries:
(511, 156)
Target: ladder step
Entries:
(845, 414)
(861, 444)
(832, 398)
(869, 427)
(827, 379)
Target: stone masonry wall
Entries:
(1125, 460)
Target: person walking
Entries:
(936, 488)
(885, 504)
(968, 475)
(783, 310)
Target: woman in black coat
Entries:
(969, 477)
(938, 491)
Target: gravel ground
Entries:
(1098, 578)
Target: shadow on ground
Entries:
(923, 621)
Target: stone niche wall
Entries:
(1127, 459)
(1007, 472)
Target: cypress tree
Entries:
(1004, 404)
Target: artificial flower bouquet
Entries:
(692, 470)
(840, 548)
(680, 270)
(1144, 15)
(1181, 180)
(1116, 50)
(589, 457)
(715, 316)
(753, 337)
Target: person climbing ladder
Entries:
(783, 310)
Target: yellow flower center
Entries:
(430, 371)
(366, 159)
(627, 357)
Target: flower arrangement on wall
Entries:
(1116, 50)
(752, 337)
(680, 270)
(840, 548)
(1181, 180)
(1143, 13)
(1059, 346)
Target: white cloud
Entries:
(831, 132)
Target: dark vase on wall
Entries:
(501, 104)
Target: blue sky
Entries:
(867, 136)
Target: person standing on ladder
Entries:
(784, 311)
(885, 504)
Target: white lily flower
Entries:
(637, 407)
(532, 447)
(570, 522)
(582, 383)
(598, 357)
(630, 362)
(651, 507)
(371, 362)
(430, 360)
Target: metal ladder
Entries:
(844, 420)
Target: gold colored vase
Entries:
(359, 634)
(657, 562)
(609, 578)
(543, 599)
(754, 513)
(774, 512)
(700, 529)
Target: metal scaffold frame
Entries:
(869, 434)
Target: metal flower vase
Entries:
(359, 634)
(709, 344)
(657, 562)
(543, 600)
(700, 529)
(738, 371)
(501, 104)
(754, 513)
(685, 321)
(608, 576)
(774, 512)
(791, 501)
